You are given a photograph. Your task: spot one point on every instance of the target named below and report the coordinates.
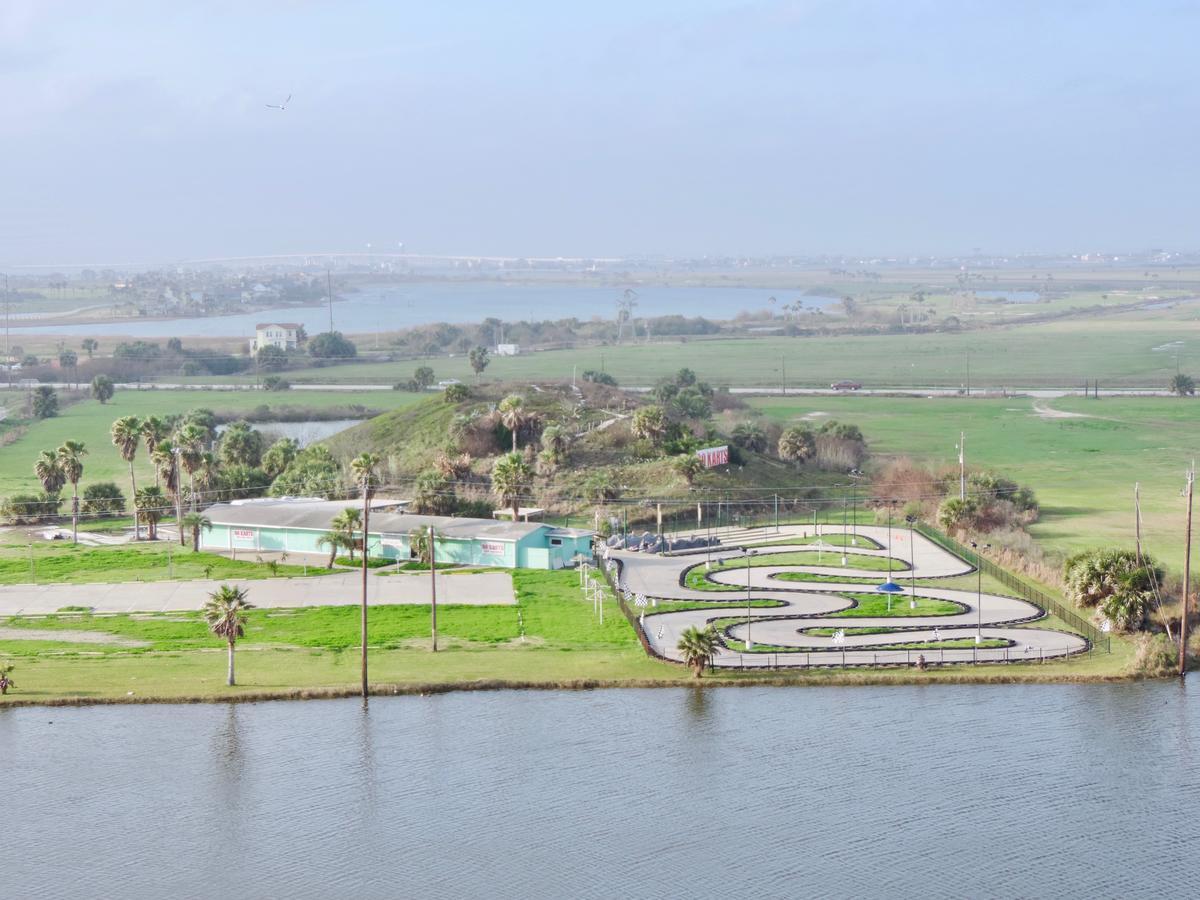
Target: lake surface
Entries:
(402, 305)
(1006, 791)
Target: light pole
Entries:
(979, 590)
(912, 566)
(749, 555)
(433, 586)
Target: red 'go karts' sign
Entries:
(714, 456)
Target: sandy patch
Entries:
(1045, 412)
(815, 415)
(71, 637)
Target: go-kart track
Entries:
(781, 635)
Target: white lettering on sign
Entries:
(491, 548)
(243, 534)
(714, 456)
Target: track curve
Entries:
(781, 635)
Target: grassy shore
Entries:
(552, 640)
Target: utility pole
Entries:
(366, 492)
(968, 374)
(783, 375)
(433, 584)
(962, 466)
(1137, 522)
(1187, 575)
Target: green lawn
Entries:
(1117, 349)
(66, 563)
(1083, 468)
(90, 421)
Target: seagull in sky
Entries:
(279, 106)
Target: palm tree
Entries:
(166, 468)
(344, 525)
(150, 505)
(126, 437)
(196, 522)
(513, 415)
(511, 480)
(49, 472)
(797, 444)
(335, 541)
(225, 611)
(70, 459)
(154, 432)
(363, 467)
(650, 423)
(190, 440)
(698, 645)
(206, 472)
(555, 441)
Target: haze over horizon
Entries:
(136, 133)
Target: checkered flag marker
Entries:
(640, 601)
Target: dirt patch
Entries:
(70, 637)
(815, 415)
(1042, 411)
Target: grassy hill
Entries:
(606, 464)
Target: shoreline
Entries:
(809, 680)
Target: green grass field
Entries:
(1082, 468)
(1117, 349)
(90, 421)
(553, 639)
(59, 563)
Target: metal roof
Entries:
(316, 515)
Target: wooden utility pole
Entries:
(1187, 575)
(366, 492)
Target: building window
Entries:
(555, 542)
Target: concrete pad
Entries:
(343, 589)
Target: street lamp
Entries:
(890, 587)
(912, 557)
(749, 554)
(979, 590)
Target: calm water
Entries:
(399, 306)
(1067, 791)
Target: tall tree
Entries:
(48, 470)
(513, 415)
(151, 504)
(154, 432)
(364, 468)
(190, 440)
(479, 359)
(126, 437)
(89, 346)
(70, 458)
(225, 611)
(103, 388)
(511, 480)
(195, 523)
(166, 467)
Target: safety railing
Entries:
(1020, 587)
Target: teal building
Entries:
(296, 526)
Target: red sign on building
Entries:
(714, 456)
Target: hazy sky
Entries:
(137, 131)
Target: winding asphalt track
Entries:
(809, 605)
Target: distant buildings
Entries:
(284, 335)
(508, 349)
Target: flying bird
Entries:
(279, 106)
